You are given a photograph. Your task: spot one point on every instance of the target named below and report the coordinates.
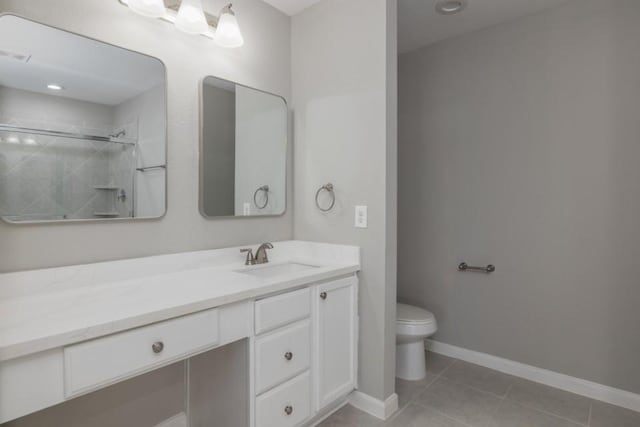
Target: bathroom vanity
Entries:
(66, 332)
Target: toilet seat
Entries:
(412, 320)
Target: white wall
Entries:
(144, 119)
(264, 62)
(519, 147)
(261, 151)
(343, 53)
(38, 110)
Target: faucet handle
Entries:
(250, 258)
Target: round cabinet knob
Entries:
(157, 347)
(323, 295)
(288, 410)
(288, 355)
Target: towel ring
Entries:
(264, 188)
(329, 188)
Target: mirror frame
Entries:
(166, 139)
(201, 156)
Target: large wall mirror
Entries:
(243, 151)
(82, 127)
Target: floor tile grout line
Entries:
(418, 393)
(444, 415)
(502, 399)
(542, 411)
(499, 396)
(479, 390)
(508, 391)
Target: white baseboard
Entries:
(179, 420)
(575, 385)
(373, 406)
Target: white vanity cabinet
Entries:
(335, 346)
(259, 351)
(305, 351)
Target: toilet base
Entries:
(410, 361)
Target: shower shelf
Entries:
(106, 187)
(107, 214)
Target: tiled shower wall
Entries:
(46, 177)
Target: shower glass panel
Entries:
(82, 127)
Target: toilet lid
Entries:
(410, 314)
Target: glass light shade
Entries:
(150, 8)
(228, 32)
(191, 17)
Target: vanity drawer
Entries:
(106, 360)
(282, 355)
(273, 312)
(287, 405)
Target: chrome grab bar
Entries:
(465, 267)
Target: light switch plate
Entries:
(361, 217)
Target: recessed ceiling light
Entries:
(450, 7)
(54, 86)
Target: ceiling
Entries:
(88, 70)
(292, 7)
(420, 25)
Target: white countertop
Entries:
(50, 308)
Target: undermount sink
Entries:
(269, 271)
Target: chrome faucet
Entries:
(261, 253)
(260, 257)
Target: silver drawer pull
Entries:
(288, 410)
(288, 355)
(157, 347)
(323, 295)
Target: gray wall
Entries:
(264, 62)
(344, 89)
(518, 146)
(219, 151)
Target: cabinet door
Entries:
(335, 339)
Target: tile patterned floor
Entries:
(460, 394)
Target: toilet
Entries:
(413, 325)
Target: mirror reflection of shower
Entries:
(72, 149)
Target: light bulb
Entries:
(191, 17)
(150, 8)
(228, 32)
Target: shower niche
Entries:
(82, 127)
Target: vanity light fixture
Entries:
(189, 17)
(228, 31)
(149, 8)
(450, 7)
(54, 86)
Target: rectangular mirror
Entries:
(243, 151)
(82, 127)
